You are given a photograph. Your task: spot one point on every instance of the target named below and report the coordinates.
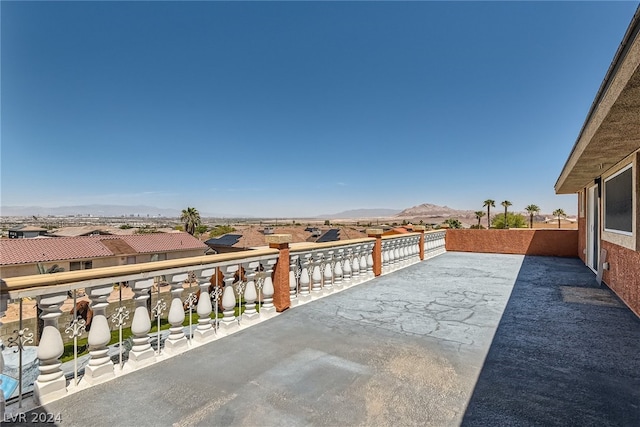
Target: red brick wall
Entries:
(582, 239)
(623, 276)
(562, 243)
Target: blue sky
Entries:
(297, 108)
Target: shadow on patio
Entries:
(566, 352)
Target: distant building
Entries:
(23, 257)
(27, 232)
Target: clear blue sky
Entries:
(295, 108)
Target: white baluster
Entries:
(370, 273)
(204, 332)
(346, 268)
(305, 283)
(268, 309)
(229, 323)
(51, 383)
(385, 257)
(177, 341)
(316, 276)
(293, 279)
(100, 365)
(250, 314)
(337, 269)
(363, 263)
(141, 353)
(327, 275)
(355, 265)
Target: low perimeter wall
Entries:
(522, 241)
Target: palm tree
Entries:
(479, 214)
(559, 213)
(191, 219)
(533, 210)
(506, 204)
(489, 204)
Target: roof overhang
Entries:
(611, 131)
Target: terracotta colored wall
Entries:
(562, 243)
(623, 276)
(582, 239)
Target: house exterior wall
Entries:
(623, 251)
(623, 276)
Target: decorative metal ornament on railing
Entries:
(239, 289)
(75, 329)
(190, 302)
(118, 317)
(157, 311)
(216, 294)
(22, 337)
(259, 285)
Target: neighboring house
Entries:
(225, 244)
(81, 231)
(604, 170)
(21, 257)
(27, 232)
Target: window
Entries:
(80, 265)
(158, 257)
(618, 202)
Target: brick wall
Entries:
(623, 276)
(550, 242)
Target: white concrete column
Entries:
(51, 383)
(370, 273)
(141, 353)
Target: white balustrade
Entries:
(312, 271)
(4, 300)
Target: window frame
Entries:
(624, 169)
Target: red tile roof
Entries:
(24, 251)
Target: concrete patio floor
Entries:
(414, 347)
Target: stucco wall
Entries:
(623, 276)
(562, 243)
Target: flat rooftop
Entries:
(464, 338)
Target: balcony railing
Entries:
(241, 288)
